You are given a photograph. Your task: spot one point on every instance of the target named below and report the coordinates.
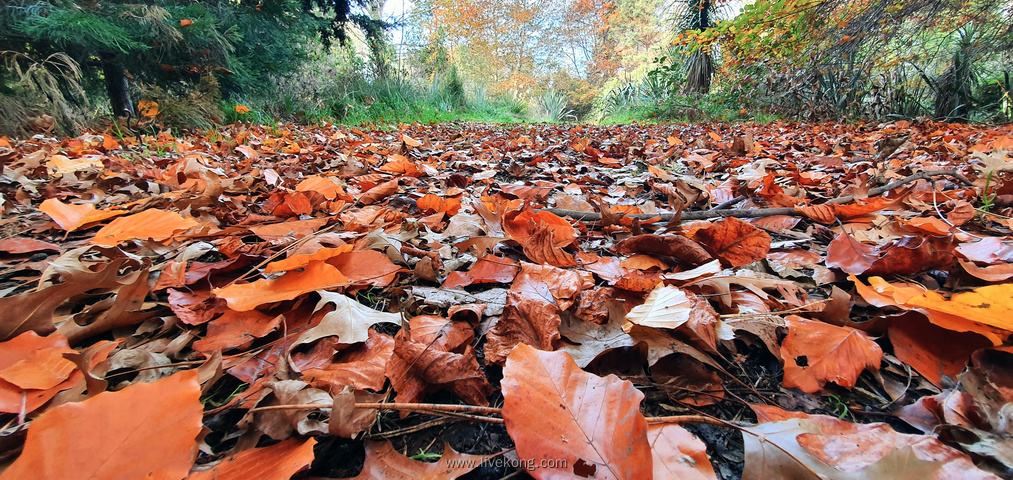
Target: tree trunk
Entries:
(117, 89)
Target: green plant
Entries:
(838, 407)
(987, 201)
(553, 104)
(422, 455)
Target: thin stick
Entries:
(412, 407)
(756, 212)
(696, 420)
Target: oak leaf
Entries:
(349, 321)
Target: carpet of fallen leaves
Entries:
(694, 301)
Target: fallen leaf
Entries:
(565, 420)
(383, 461)
(280, 461)
(678, 454)
(152, 223)
(316, 276)
(94, 439)
(815, 353)
(735, 242)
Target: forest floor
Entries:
(688, 301)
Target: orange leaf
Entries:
(33, 371)
(735, 242)
(861, 207)
(242, 109)
(147, 430)
(147, 108)
(832, 354)
(186, 22)
(824, 214)
(569, 423)
(72, 217)
(317, 275)
(324, 186)
(436, 203)
(932, 350)
(411, 142)
(281, 461)
(678, 454)
(379, 192)
(520, 225)
(300, 261)
(488, 269)
(368, 267)
(152, 223)
(678, 246)
(383, 461)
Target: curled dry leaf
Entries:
(555, 411)
(72, 217)
(433, 353)
(815, 353)
(488, 269)
(95, 439)
(676, 246)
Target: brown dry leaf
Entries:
(379, 192)
(735, 242)
(862, 207)
(433, 353)
(541, 248)
(279, 461)
(280, 424)
(384, 462)
(366, 267)
(95, 439)
(347, 421)
(677, 453)
(531, 314)
(850, 255)
(825, 214)
(911, 254)
(237, 330)
(677, 246)
(932, 350)
(317, 275)
(992, 273)
(360, 366)
(294, 262)
(555, 411)
(94, 270)
(831, 354)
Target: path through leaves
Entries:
(678, 301)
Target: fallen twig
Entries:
(756, 212)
